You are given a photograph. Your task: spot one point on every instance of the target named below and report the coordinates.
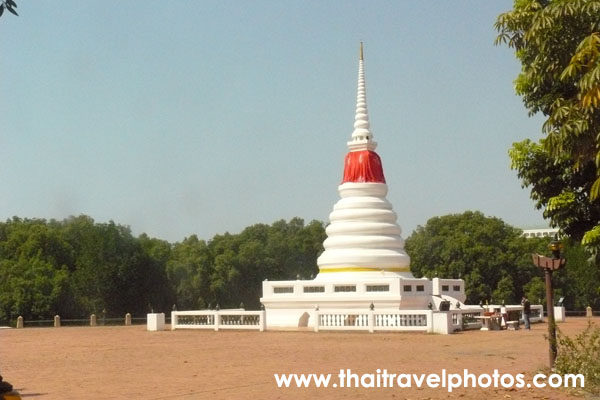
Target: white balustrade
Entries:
(537, 313)
(466, 319)
(376, 320)
(223, 319)
(343, 320)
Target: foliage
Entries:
(535, 290)
(579, 281)
(74, 268)
(505, 291)
(580, 355)
(229, 269)
(556, 187)
(491, 256)
(9, 5)
(495, 261)
(558, 45)
(77, 267)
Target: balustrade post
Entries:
(173, 320)
(371, 321)
(217, 320)
(262, 321)
(316, 318)
(430, 321)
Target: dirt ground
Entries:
(131, 363)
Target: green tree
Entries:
(505, 291)
(579, 281)
(77, 266)
(558, 45)
(491, 256)
(283, 250)
(155, 254)
(35, 261)
(188, 271)
(535, 290)
(558, 189)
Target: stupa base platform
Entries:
(389, 302)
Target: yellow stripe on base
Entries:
(364, 269)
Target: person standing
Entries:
(526, 311)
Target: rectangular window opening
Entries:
(378, 288)
(345, 288)
(314, 289)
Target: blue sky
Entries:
(201, 117)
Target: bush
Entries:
(580, 355)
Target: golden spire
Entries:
(361, 52)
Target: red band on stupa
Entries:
(363, 166)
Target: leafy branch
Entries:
(9, 5)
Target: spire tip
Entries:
(361, 52)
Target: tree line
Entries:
(495, 261)
(77, 266)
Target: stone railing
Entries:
(466, 319)
(515, 312)
(223, 319)
(380, 320)
(402, 320)
(342, 320)
(94, 320)
(537, 313)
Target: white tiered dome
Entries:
(363, 237)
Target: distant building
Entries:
(544, 232)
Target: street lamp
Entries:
(555, 247)
(549, 265)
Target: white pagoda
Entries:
(364, 265)
(363, 238)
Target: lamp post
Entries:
(549, 265)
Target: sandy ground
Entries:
(131, 363)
